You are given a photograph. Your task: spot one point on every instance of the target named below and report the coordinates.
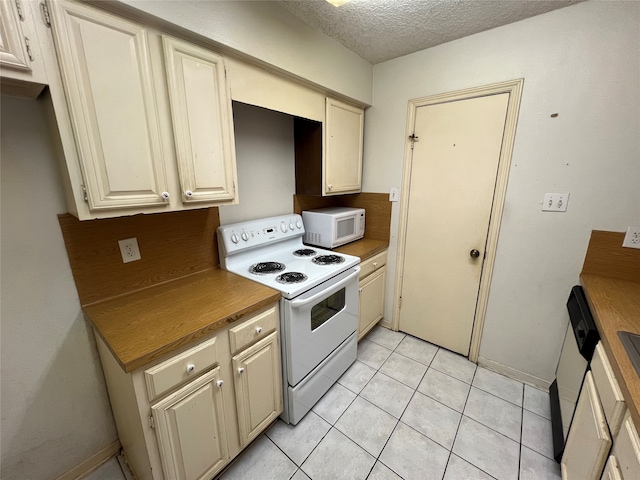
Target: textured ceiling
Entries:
(379, 30)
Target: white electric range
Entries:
(319, 305)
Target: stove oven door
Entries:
(319, 321)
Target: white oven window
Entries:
(346, 227)
(327, 308)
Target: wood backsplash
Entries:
(377, 206)
(607, 257)
(172, 245)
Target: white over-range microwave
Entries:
(333, 226)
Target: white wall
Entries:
(55, 409)
(268, 32)
(266, 164)
(582, 62)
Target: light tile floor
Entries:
(407, 409)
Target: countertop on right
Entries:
(611, 280)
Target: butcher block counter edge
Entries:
(365, 248)
(144, 326)
(615, 306)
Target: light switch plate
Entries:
(555, 202)
(394, 194)
(632, 238)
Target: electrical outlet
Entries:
(632, 238)
(129, 250)
(394, 194)
(555, 202)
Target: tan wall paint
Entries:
(55, 410)
(582, 62)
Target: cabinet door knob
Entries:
(219, 383)
(190, 368)
(259, 330)
(241, 370)
(375, 264)
(165, 195)
(330, 186)
(188, 193)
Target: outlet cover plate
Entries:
(129, 250)
(632, 238)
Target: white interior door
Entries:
(453, 176)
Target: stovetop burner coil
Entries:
(266, 268)
(304, 252)
(291, 277)
(328, 259)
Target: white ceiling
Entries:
(379, 30)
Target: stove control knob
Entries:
(291, 227)
(245, 237)
(298, 224)
(234, 238)
(283, 227)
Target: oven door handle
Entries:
(326, 293)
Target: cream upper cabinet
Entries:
(202, 122)
(150, 127)
(190, 429)
(106, 70)
(258, 386)
(344, 130)
(21, 63)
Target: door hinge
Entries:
(20, 10)
(152, 422)
(28, 45)
(84, 193)
(45, 14)
(413, 139)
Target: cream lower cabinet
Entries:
(188, 415)
(150, 116)
(190, 428)
(373, 276)
(258, 387)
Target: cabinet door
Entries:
(190, 429)
(202, 122)
(13, 49)
(588, 442)
(344, 131)
(371, 300)
(258, 384)
(106, 71)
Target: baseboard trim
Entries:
(515, 374)
(92, 462)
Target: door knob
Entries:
(474, 253)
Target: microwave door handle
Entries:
(325, 293)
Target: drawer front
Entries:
(608, 389)
(185, 366)
(626, 449)
(373, 263)
(253, 329)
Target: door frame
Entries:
(514, 89)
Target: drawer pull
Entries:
(259, 330)
(190, 368)
(241, 370)
(375, 264)
(219, 383)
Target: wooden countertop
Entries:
(611, 280)
(143, 326)
(364, 248)
(615, 306)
